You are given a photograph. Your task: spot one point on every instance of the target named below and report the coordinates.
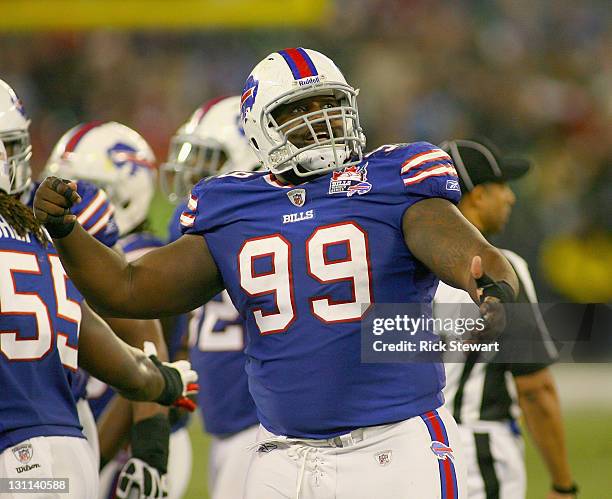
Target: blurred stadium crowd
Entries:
(534, 76)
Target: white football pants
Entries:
(419, 458)
(90, 430)
(228, 463)
(52, 457)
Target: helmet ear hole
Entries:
(254, 142)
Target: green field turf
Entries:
(589, 439)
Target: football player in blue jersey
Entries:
(46, 332)
(212, 142)
(96, 214)
(117, 159)
(302, 250)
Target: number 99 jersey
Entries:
(300, 263)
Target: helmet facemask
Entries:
(315, 142)
(190, 160)
(18, 152)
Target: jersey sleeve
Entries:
(95, 213)
(427, 171)
(210, 205)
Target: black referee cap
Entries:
(480, 161)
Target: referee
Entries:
(484, 397)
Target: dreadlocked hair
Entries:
(21, 218)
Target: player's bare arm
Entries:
(184, 269)
(111, 360)
(438, 234)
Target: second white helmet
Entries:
(114, 157)
(211, 142)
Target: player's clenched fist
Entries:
(52, 203)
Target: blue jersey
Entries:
(300, 263)
(217, 341)
(95, 214)
(40, 318)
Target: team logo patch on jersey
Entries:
(297, 197)
(442, 451)
(350, 180)
(23, 453)
(452, 185)
(383, 458)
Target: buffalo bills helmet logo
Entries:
(123, 155)
(442, 451)
(248, 96)
(18, 105)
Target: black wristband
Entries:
(150, 441)
(499, 289)
(573, 490)
(59, 230)
(173, 384)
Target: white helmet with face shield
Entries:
(14, 133)
(210, 143)
(314, 141)
(115, 158)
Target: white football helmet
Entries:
(5, 176)
(14, 133)
(115, 158)
(210, 143)
(287, 76)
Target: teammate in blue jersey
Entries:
(46, 331)
(118, 159)
(94, 212)
(212, 142)
(302, 251)
(97, 215)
